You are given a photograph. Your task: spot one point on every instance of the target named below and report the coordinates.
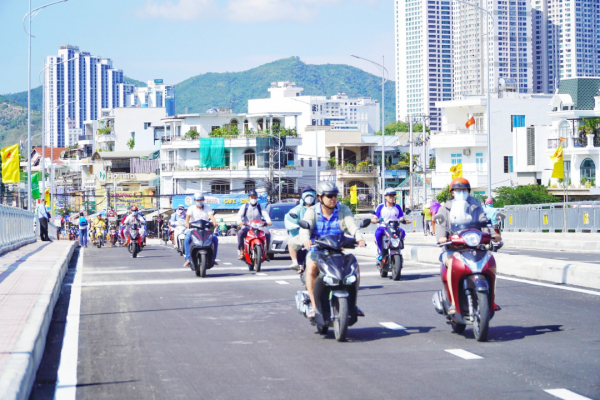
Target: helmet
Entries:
(180, 207)
(252, 193)
(134, 208)
(460, 183)
(327, 188)
(308, 189)
(198, 196)
(389, 192)
(489, 201)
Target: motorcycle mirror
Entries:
(303, 224)
(295, 216)
(407, 211)
(372, 212)
(439, 219)
(365, 223)
(501, 216)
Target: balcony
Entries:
(179, 171)
(575, 145)
(83, 138)
(230, 141)
(459, 139)
(106, 138)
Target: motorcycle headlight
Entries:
(472, 239)
(256, 225)
(278, 232)
(330, 280)
(395, 242)
(350, 279)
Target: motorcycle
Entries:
(232, 231)
(254, 245)
(202, 248)
(494, 246)
(473, 282)
(135, 241)
(393, 243)
(99, 234)
(336, 288)
(166, 234)
(113, 235)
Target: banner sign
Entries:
(219, 201)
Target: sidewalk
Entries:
(30, 283)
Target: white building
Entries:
(77, 86)
(456, 144)
(577, 99)
(313, 115)
(510, 50)
(155, 94)
(424, 59)
(566, 41)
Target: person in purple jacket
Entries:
(386, 212)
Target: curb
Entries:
(18, 374)
(555, 271)
(15, 246)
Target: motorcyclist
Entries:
(490, 211)
(249, 212)
(177, 223)
(222, 228)
(99, 226)
(122, 226)
(199, 211)
(469, 208)
(291, 224)
(386, 212)
(326, 218)
(133, 218)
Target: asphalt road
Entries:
(150, 329)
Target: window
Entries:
(479, 162)
(147, 125)
(214, 128)
(564, 129)
(220, 187)
(508, 164)
(530, 146)
(302, 162)
(588, 169)
(310, 162)
(456, 158)
(249, 185)
(249, 158)
(517, 121)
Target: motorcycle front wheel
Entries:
(481, 319)
(340, 322)
(134, 250)
(257, 258)
(396, 267)
(201, 266)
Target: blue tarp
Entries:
(219, 201)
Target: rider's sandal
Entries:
(359, 312)
(241, 257)
(452, 310)
(187, 263)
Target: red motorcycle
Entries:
(113, 236)
(473, 281)
(134, 241)
(254, 245)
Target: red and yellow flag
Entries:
(456, 171)
(558, 171)
(10, 164)
(470, 122)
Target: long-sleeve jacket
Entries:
(291, 224)
(475, 210)
(345, 217)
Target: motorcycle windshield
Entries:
(334, 242)
(460, 217)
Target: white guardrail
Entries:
(16, 226)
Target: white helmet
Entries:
(390, 192)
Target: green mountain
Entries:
(223, 90)
(234, 89)
(132, 81)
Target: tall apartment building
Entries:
(566, 41)
(510, 49)
(424, 59)
(77, 86)
(155, 94)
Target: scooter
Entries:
(254, 245)
(494, 246)
(135, 241)
(99, 233)
(165, 234)
(473, 282)
(392, 243)
(202, 248)
(336, 288)
(112, 233)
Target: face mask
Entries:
(199, 203)
(309, 200)
(253, 201)
(462, 195)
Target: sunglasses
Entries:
(330, 196)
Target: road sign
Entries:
(85, 213)
(111, 213)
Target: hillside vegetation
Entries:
(13, 123)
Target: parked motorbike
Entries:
(473, 282)
(135, 242)
(254, 245)
(336, 288)
(202, 248)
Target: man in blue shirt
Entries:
(43, 217)
(386, 212)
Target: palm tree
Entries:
(589, 126)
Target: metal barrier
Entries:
(581, 216)
(16, 226)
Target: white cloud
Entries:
(185, 10)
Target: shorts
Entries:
(295, 243)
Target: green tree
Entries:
(400, 126)
(131, 143)
(589, 126)
(191, 135)
(529, 194)
(444, 195)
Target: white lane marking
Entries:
(66, 383)
(208, 279)
(572, 289)
(135, 271)
(393, 326)
(261, 274)
(464, 354)
(566, 394)
(282, 282)
(217, 260)
(227, 264)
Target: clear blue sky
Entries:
(177, 39)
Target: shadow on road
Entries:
(106, 383)
(510, 332)
(376, 333)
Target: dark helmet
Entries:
(308, 189)
(252, 193)
(327, 188)
(460, 183)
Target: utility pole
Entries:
(424, 117)
(410, 158)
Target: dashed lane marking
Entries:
(464, 354)
(169, 270)
(572, 289)
(393, 326)
(261, 274)
(282, 282)
(566, 394)
(227, 264)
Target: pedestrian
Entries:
(83, 227)
(43, 217)
(427, 219)
(434, 207)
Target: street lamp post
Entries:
(489, 84)
(383, 81)
(31, 14)
(316, 144)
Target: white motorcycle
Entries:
(179, 236)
